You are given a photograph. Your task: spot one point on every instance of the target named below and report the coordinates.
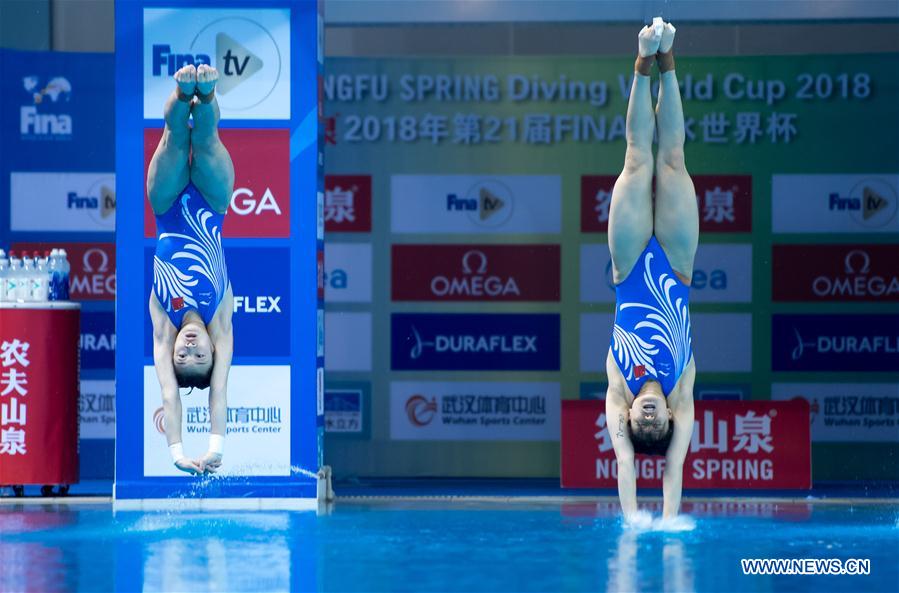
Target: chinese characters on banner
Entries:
(13, 389)
(735, 444)
(39, 395)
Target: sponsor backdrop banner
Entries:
(269, 62)
(482, 186)
(761, 445)
(58, 189)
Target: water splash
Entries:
(294, 469)
(642, 521)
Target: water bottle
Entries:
(54, 274)
(26, 276)
(12, 277)
(4, 273)
(39, 282)
(66, 268)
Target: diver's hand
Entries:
(188, 465)
(210, 463)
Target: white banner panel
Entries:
(258, 439)
(96, 410)
(347, 272)
(722, 273)
(249, 48)
(348, 341)
(835, 203)
(474, 411)
(722, 342)
(476, 204)
(848, 412)
(81, 202)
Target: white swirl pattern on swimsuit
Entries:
(205, 250)
(670, 321)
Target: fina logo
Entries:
(487, 203)
(235, 62)
(474, 282)
(159, 420)
(421, 411)
(33, 124)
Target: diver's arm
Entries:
(222, 335)
(616, 424)
(673, 477)
(164, 334)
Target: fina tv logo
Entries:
(99, 202)
(39, 125)
(871, 202)
(421, 411)
(487, 203)
(223, 43)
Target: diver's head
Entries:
(650, 423)
(192, 356)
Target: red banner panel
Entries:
(348, 203)
(92, 277)
(725, 202)
(476, 272)
(735, 444)
(39, 396)
(260, 204)
(856, 273)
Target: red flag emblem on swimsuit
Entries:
(178, 303)
(639, 371)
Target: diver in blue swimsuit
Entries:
(649, 403)
(189, 184)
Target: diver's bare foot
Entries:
(648, 45)
(665, 56)
(207, 77)
(648, 41)
(667, 40)
(186, 78)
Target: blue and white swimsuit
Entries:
(651, 338)
(189, 271)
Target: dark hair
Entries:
(648, 445)
(193, 379)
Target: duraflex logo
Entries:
(835, 343)
(42, 118)
(475, 342)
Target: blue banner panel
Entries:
(261, 300)
(475, 342)
(839, 343)
(98, 340)
(56, 109)
(268, 57)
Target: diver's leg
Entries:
(211, 168)
(676, 211)
(630, 214)
(168, 172)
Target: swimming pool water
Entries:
(440, 546)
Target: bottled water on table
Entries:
(4, 273)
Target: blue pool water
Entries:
(441, 546)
